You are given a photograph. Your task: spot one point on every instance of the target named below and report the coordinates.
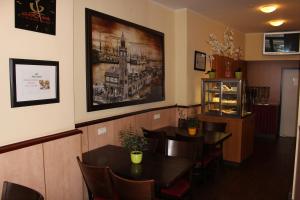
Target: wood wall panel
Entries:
(143, 120)
(173, 117)
(25, 167)
(164, 119)
(62, 173)
(84, 139)
(95, 140)
(122, 124)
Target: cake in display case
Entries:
(224, 97)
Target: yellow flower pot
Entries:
(212, 74)
(192, 131)
(136, 157)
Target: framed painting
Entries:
(33, 82)
(36, 15)
(125, 63)
(200, 61)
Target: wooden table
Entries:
(210, 138)
(164, 170)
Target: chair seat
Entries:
(178, 189)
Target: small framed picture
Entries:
(36, 15)
(200, 61)
(33, 82)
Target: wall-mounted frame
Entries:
(33, 82)
(200, 61)
(125, 62)
(36, 15)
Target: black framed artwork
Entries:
(36, 15)
(33, 82)
(125, 62)
(200, 61)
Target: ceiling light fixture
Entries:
(268, 8)
(277, 22)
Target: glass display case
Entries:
(224, 97)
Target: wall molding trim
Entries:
(40, 140)
(190, 106)
(97, 121)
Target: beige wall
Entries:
(254, 49)
(18, 124)
(194, 37)
(180, 56)
(141, 12)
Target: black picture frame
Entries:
(200, 61)
(123, 28)
(35, 77)
(36, 15)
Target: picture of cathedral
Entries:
(126, 63)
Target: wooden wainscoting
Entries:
(48, 164)
(24, 166)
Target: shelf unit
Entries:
(223, 97)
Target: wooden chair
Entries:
(97, 180)
(156, 141)
(183, 123)
(131, 189)
(186, 148)
(213, 154)
(13, 191)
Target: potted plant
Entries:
(238, 73)
(193, 124)
(211, 73)
(134, 142)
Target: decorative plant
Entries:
(132, 140)
(193, 123)
(225, 48)
(212, 70)
(238, 70)
(181, 114)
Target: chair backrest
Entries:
(13, 191)
(188, 148)
(97, 179)
(183, 123)
(131, 189)
(156, 141)
(214, 127)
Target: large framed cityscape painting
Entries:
(125, 62)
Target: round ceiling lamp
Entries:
(277, 22)
(268, 8)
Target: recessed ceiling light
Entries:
(268, 8)
(277, 22)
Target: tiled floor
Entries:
(267, 175)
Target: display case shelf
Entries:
(225, 97)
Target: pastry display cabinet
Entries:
(224, 97)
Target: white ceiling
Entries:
(243, 15)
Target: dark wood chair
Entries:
(183, 123)
(131, 189)
(213, 154)
(213, 126)
(98, 181)
(13, 191)
(187, 148)
(156, 141)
